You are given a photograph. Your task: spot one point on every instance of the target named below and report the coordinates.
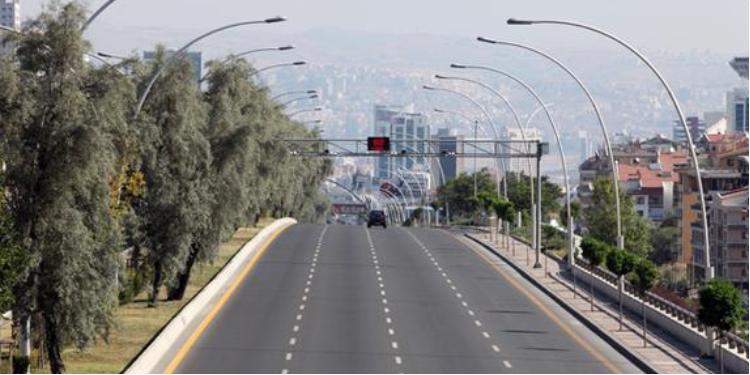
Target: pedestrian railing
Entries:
(673, 310)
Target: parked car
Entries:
(376, 217)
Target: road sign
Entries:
(381, 144)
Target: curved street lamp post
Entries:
(170, 60)
(571, 239)
(708, 270)
(615, 179)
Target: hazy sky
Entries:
(718, 25)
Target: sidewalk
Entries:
(663, 353)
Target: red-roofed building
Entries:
(652, 185)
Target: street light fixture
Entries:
(309, 92)
(290, 101)
(274, 66)
(708, 272)
(316, 109)
(615, 179)
(265, 49)
(170, 60)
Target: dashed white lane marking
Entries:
(381, 286)
(308, 283)
(453, 287)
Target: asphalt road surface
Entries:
(345, 299)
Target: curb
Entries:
(634, 357)
(178, 328)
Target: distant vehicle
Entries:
(376, 217)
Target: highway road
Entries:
(346, 299)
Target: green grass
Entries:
(136, 324)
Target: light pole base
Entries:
(537, 265)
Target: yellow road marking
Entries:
(585, 345)
(185, 348)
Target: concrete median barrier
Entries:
(156, 355)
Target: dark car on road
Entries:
(376, 217)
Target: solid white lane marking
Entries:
(394, 345)
(507, 364)
(398, 360)
(292, 341)
(495, 348)
(485, 334)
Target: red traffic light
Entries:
(380, 144)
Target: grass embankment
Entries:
(136, 324)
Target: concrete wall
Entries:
(733, 361)
(155, 357)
